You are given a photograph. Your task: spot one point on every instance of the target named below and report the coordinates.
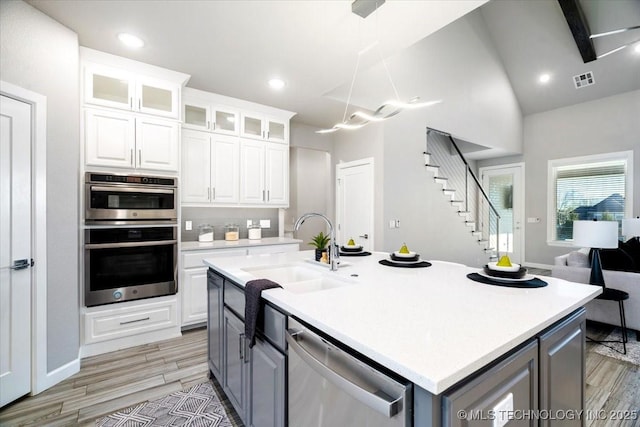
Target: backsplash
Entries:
(219, 217)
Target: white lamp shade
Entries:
(631, 227)
(595, 234)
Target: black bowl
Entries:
(345, 249)
(506, 274)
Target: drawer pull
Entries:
(134, 321)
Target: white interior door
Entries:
(354, 203)
(15, 249)
(505, 187)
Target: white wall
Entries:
(362, 143)
(606, 125)
(41, 55)
(429, 224)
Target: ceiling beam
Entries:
(579, 28)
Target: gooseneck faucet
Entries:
(334, 253)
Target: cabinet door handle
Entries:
(209, 193)
(131, 157)
(134, 321)
(263, 197)
(268, 196)
(131, 102)
(240, 346)
(213, 197)
(246, 350)
(139, 157)
(139, 104)
(209, 124)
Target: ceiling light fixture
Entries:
(389, 108)
(637, 49)
(130, 40)
(276, 84)
(544, 78)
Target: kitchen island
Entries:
(431, 326)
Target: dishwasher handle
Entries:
(378, 403)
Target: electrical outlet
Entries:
(392, 223)
(265, 223)
(503, 411)
(249, 223)
(533, 220)
(188, 225)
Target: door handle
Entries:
(240, 346)
(364, 236)
(21, 264)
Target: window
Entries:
(585, 188)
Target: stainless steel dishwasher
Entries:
(329, 387)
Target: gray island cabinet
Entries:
(252, 378)
(510, 357)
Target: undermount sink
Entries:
(298, 279)
(283, 273)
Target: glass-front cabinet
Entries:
(204, 116)
(260, 127)
(115, 88)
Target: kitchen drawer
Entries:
(234, 298)
(275, 326)
(115, 323)
(274, 323)
(191, 259)
(513, 380)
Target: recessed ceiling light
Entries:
(276, 84)
(637, 48)
(544, 78)
(130, 40)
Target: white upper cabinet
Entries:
(252, 188)
(264, 173)
(110, 138)
(210, 168)
(262, 127)
(115, 88)
(201, 115)
(121, 140)
(277, 174)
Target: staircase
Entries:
(462, 189)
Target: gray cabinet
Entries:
(252, 378)
(214, 323)
(562, 369)
(267, 386)
(236, 369)
(510, 385)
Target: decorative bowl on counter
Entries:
(409, 254)
(494, 266)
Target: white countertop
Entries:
(432, 325)
(241, 243)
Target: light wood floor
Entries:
(114, 381)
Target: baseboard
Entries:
(538, 265)
(57, 375)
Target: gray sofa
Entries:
(572, 267)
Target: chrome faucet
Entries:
(334, 253)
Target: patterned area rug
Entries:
(633, 347)
(198, 406)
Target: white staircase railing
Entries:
(459, 184)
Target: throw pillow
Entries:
(616, 259)
(632, 247)
(578, 259)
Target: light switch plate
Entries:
(533, 220)
(249, 223)
(265, 223)
(188, 225)
(503, 411)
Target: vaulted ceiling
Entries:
(234, 47)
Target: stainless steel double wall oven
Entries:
(130, 249)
